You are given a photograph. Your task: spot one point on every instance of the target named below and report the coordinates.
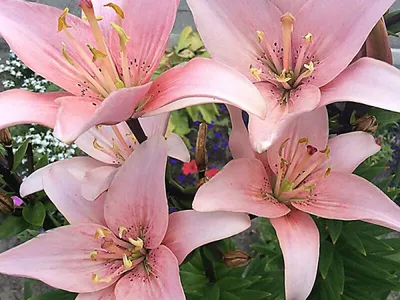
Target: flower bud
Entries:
(201, 152)
(5, 137)
(235, 259)
(6, 204)
(366, 123)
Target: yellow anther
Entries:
(310, 69)
(127, 262)
(66, 56)
(62, 21)
(92, 255)
(96, 279)
(138, 243)
(96, 145)
(121, 231)
(283, 77)
(255, 73)
(327, 151)
(283, 145)
(123, 38)
(119, 83)
(98, 18)
(310, 187)
(96, 53)
(303, 141)
(260, 35)
(119, 156)
(308, 38)
(328, 171)
(101, 233)
(117, 9)
(98, 127)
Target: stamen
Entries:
(255, 73)
(96, 53)
(121, 139)
(123, 40)
(287, 21)
(121, 231)
(101, 233)
(98, 18)
(327, 151)
(96, 145)
(283, 77)
(261, 36)
(328, 171)
(92, 255)
(66, 56)
(117, 9)
(303, 49)
(127, 262)
(309, 70)
(283, 146)
(96, 279)
(138, 243)
(119, 83)
(62, 22)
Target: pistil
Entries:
(287, 21)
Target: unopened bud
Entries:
(5, 137)
(366, 123)
(235, 259)
(6, 204)
(201, 151)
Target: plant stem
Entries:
(208, 267)
(137, 130)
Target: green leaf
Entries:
(12, 226)
(325, 259)
(384, 117)
(19, 155)
(232, 283)
(27, 289)
(184, 39)
(59, 295)
(53, 88)
(361, 265)
(35, 213)
(228, 296)
(334, 229)
(336, 273)
(354, 241)
(43, 161)
(374, 245)
(211, 292)
(253, 294)
(370, 172)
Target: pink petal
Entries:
(156, 125)
(348, 197)
(25, 107)
(60, 258)
(367, 81)
(136, 198)
(162, 283)
(239, 142)
(104, 294)
(77, 115)
(312, 125)
(65, 191)
(31, 31)
(229, 29)
(339, 29)
(148, 23)
(289, 5)
(239, 187)
(263, 133)
(77, 166)
(183, 235)
(97, 181)
(349, 150)
(299, 240)
(203, 81)
(177, 148)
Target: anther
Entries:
(117, 9)
(123, 37)
(66, 56)
(96, 145)
(127, 262)
(121, 231)
(138, 243)
(119, 83)
(101, 233)
(283, 145)
(328, 171)
(96, 279)
(62, 22)
(327, 151)
(308, 38)
(283, 77)
(96, 53)
(98, 18)
(260, 35)
(303, 141)
(255, 73)
(92, 255)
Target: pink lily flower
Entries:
(297, 53)
(302, 173)
(105, 65)
(108, 147)
(124, 245)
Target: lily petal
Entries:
(229, 29)
(77, 166)
(239, 142)
(299, 240)
(60, 258)
(183, 235)
(241, 186)
(136, 198)
(335, 46)
(162, 282)
(25, 107)
(97, 181)
(156, 125)
(203, 81)
(312, 126)
(349, 150)
(64, 190)
(148, 23)
(263, 133)
(25, 23)
(104, 294)
(177, 148)
(348, 197)
(77, 115)
(367, 81)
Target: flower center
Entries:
(121, 254)
(277, 63)
(299, 172)
(99, 74)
